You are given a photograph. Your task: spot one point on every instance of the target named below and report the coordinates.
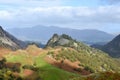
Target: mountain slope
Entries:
(36, 34)
(113, 47)
(9, 41)
(91, 59)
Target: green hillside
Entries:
(89, 57)
(46, 71)
(97, 62)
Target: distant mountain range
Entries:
(9, 41)
(43, 33)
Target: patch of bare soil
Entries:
(67, 65)
(30, 75)
(28, 72)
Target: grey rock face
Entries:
(9, 41)
(62, 40)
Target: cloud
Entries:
(5, 15)
(65, 16)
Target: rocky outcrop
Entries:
(60, 40)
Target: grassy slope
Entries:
(46, 71)
(93, 58)
(50, 72)
(97, 61)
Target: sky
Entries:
(78, 14)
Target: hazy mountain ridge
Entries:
(36, 34)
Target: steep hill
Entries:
(9, 41)
(113, 47)
(36, 34)
(91, 59)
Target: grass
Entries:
(49, 72)
(46, 70)
(96, 61)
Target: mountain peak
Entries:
(55, 35)
(0, 27)
(1, 31)
(64, 41)
(117, 37)
(59, 40)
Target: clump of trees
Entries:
(12, 71)
(7, 70)
(31, 67)
(87, 68)
(15, 67)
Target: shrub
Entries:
(31, 67)
(78, 69)
(87, 68)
